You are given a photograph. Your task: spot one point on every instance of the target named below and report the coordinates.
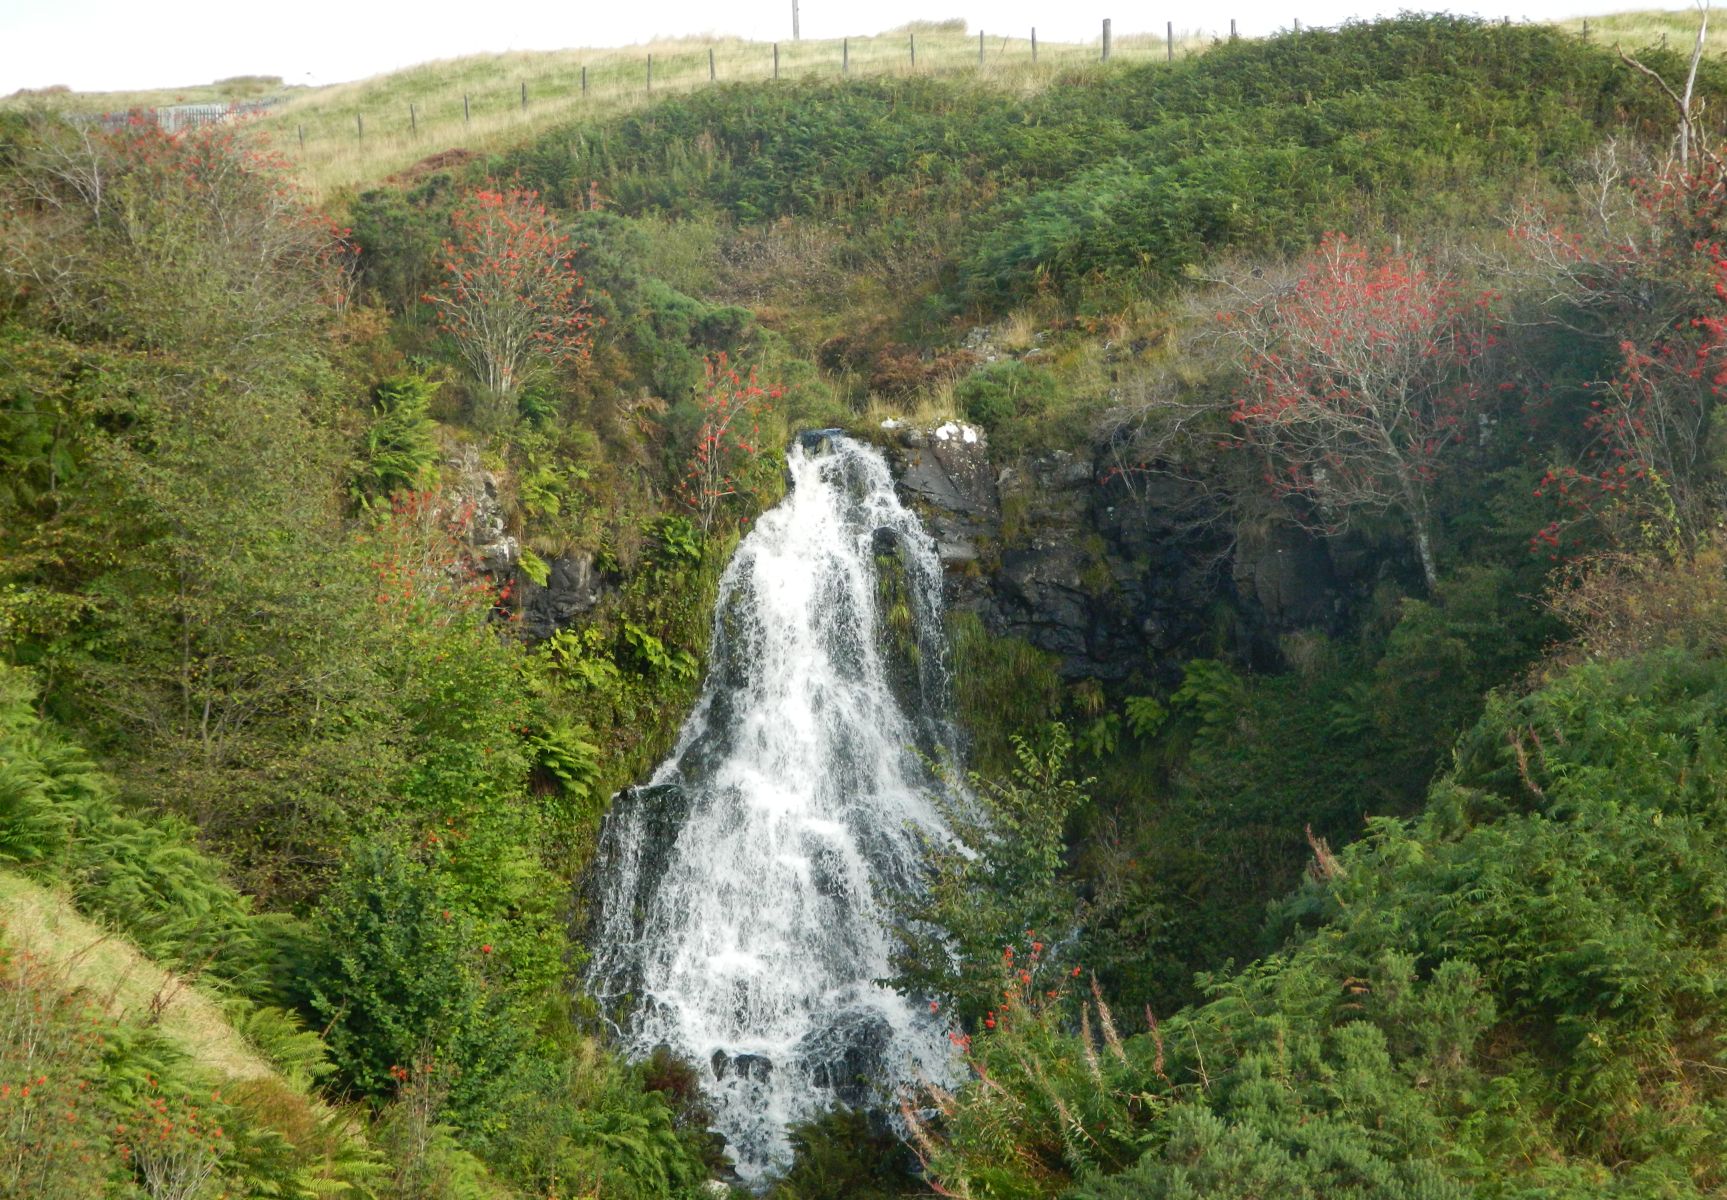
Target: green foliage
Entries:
(399, 449)
(651, 654)
(407, 982)
(1211, 694)
(1099, 737)
(283, 1040)
(534, 567)
(1002, 393)
(53, 1129)
(1511, 995)
(566, 761)
(323, 691)
(1001, 881)
(847, 1154)
(1136, 174)
(60, 821)
(637, 1132)
(400, 234)
(1475, 633)
(96, 1105)
(663, 334)
(1145, 715)
(1003, 688)
(679, 541)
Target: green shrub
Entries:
(400, 234)
(1002, 393)
(1003, 882)
(399, 449)
(1514, 994)
(847, 1154)
(408, 985)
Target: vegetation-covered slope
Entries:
(368, 550)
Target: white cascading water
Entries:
(739, 893)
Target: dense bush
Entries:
(1511, 993)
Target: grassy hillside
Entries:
(128, 986)
(1675, 29)
(342, 135)
(239, 89)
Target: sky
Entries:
(110, 45)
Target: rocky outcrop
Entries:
(946, 471)
(946, 475)
(574, 587)
(471, 505)
(1120, 573)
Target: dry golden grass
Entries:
(924, 409)
(348, 134)
(126, 983)
(1637, 30)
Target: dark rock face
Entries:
(574, 587)
(848, 1056)
(948, 472)
(1113, 573)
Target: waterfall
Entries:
(739, 893)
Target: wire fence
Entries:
(562, 83)
(175, 117)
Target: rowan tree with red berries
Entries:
(1643, 276)
(728, 441)
(1358, 384)
(511, 299)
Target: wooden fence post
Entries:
(776, 60)
(464, 108)
(650, 72)
(359, 127)
(1169, 41)
(1106, 39)
(914, 50)
(711, 75)
(1232, 29)
(413, 121)
(1034, 45)
(524, 95)
(584, 82)
(845, 56)
(302, 137)
(1298, 26)
(795, 35)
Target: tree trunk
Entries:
(1415, 506)
(1424, 548)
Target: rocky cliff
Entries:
(1119, 572)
